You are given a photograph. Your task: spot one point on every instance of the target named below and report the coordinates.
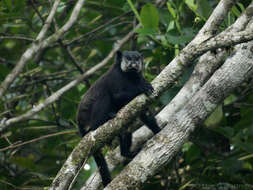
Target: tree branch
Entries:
(206, 65)
(105, 133)
(16, 145)
(6, 123)
(40, 44)
(163, 146)
(17, 38)
(164, 80)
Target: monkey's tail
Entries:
(103, 168)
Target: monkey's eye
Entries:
(128, 58)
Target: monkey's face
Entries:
(132, 61)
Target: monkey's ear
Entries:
(119, 54)
(118, 57)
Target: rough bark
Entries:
(94, 140)
(162, 147)
(206, 65)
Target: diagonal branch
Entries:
(212, 24)
(95, 140)
(206, 65)
(16, 38)
(163, 146)
(4, 124)
(164, 80)
(48, 22)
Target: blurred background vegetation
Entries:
(219, 153)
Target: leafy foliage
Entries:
(219, 154)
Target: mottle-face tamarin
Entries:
(118, 86)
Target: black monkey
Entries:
(118, 86)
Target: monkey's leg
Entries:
(125, 141)
(103, 168)
(148, 119)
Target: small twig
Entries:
(41, 81)
(56, 116)
(93, 177)
(76, 40)
(6, 62)
(74, 179)
(36, 10)
(4, 124)
(71, 56)
(16, 187)
(17, 38)
(36, 139)
(42, 44)
(49, 20)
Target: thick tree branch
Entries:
(4, 123)
(94, 140)
(212, 25)
(165, 79)
(163, 146)
(206, 65)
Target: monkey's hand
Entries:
(148, 89)
(112, 115)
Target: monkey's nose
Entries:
(134, 65)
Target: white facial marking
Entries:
(140, 64)
(124, 65)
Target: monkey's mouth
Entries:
(133, 69)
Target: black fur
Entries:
(106, 97)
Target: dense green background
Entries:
(220, 152)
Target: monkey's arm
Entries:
(129, 94)
(148, 119)
(103, 168)
(146, 87)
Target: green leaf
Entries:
(149, 16)
(241, 6)
(8, 4)
(146, 31)
(230, 99)
(19, 5)
(201, 9)
(226, 131)
(25, 162)
(204, 9)
(171, 10)
(247, 146)
(187, 35)
(215, 117)
(236, 11)
(192, 154)
(178, 39)
(191, 4)
(231, 165)
(3, 72)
